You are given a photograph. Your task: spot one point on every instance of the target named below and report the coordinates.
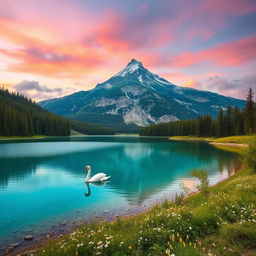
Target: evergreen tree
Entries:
(249, 121)
(220, 123)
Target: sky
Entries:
(52, 48)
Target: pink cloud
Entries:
(237, 88)
(226, 54)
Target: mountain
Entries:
(134, 98)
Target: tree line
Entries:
(90, 129)
(20, 116)
(231, 121)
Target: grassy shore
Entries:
(232, 143)
(234, 139)
(22, 138)
(220, 223)
(192, 138)
(231, 139)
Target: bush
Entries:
(249, 154)
(202, 175)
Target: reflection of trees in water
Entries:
(203, 151)
(206, 153)
(230, 165)
(16, 169)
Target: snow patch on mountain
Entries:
(187, 105)
(198, 99)
(183, 102)
(108, 86)
(133, 90)
(73, 108)
(113, 111)
(131, 68)
(157, 96)
(103, 102)
(158, 79)
(167, 118)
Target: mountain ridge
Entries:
(136, 97)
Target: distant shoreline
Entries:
(223, 142)
(6, 138)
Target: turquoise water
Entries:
(42, 182)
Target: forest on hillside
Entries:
(232, 121)
(20, 116)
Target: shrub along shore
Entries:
(218, 220)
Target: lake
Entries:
(42, 187)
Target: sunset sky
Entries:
(52, 48)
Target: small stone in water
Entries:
(28, 238)
(14, 245)
(105, 211)
(63, 223)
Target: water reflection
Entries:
(98, 184)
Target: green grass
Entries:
(193, 138)
(229, 148)
(234, 139)
(221, 223)
(21, 138)
(231, 139)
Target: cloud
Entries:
(237, 88)
(53, 61)
(36, 91)
(25, 86)
(225, 54)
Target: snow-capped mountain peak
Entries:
(133, 65)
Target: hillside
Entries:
(135, 98)
(20, 116)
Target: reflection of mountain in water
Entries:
(137, 170)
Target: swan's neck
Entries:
(88, 174)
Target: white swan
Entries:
(99, 177)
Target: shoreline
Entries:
(111, 217)
(212, 141)
(10, 138)
(108, 217)
(239, 145)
